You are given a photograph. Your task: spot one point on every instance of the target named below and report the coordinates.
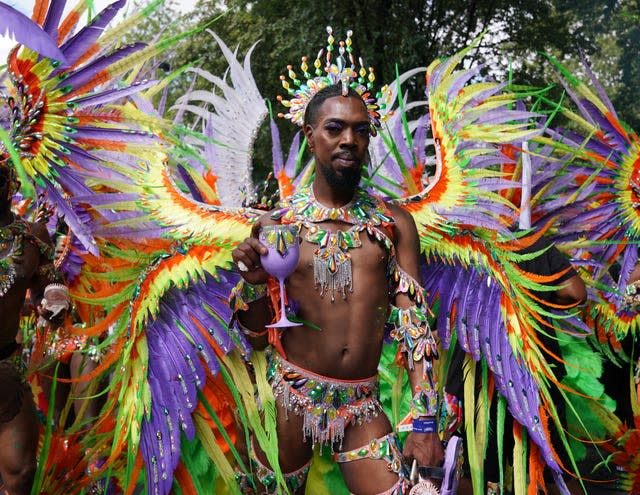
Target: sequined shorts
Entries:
(12, 383)
(327, 405)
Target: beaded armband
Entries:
(405, 284)
(241, 296)
(48, 272)
(244, 293)
(410, 327)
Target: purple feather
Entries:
(26, 32)
(462, 78)
(72, 264)
(603, 123)
(292, 157)
(84, 39)
(113, 94)
(461, 309)
(70, 181)
(82, 76)
(176, 372)
(120, 135)
(80, 157)
(276, 148)
(628, 263)
(193, 189)
(180, 113)
(144, 104)
(602, 94)
(105, 199)
(401, 144)
(448, 292)
(76, 225)
(54, 14)
(476, 304)
(420, 138)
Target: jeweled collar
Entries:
(16, 225)
(364, 209)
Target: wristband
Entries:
(424, 426)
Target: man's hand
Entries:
(247, 258)
(425, 448)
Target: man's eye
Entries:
(333, 127)
(363, 131)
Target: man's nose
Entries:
(348, 137)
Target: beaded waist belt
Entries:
(327, 405)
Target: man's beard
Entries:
(347, 179)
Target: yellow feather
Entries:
(217, 456)
(476, 463)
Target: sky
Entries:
(26, 7)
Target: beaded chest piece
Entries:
(332, 270)
(11, 247)
(12, 241)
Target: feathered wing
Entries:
(488, 301)
(468, 124)
(587, 183)
(166, 308)
(464, 222)
(177, 333)
(60, 115)
(232, 113)
(159, 305)
(601, 182)
(158, 205)
(21, 28)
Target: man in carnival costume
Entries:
(358, 258)
(25, 264)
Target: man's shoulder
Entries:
(402, 218)
(39, 230)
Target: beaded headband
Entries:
(341, 70)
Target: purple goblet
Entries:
(281, 260)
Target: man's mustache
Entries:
(345, 155)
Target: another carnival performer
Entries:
(25, 265)
(347, 306)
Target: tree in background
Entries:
(412, 33)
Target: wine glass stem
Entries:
(283, 314)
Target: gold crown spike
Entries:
(339, 67)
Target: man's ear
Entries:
(308, 132)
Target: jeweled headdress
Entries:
(341, 70)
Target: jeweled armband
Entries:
(241, 296)
(406, 284)
(410, 327)
(244, 293)
(48, 272)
